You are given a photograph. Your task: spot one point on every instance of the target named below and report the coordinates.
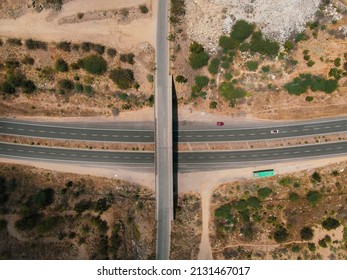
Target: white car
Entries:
(274, 131)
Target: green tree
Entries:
(281, 235)
(330, 223)
(61, 65)
(214, 65)
(264, 192)
(316, 177)
(94, 64)
(306, 233)
(241, 30)
(198, 58)
(181, 79)
(313, 197)
(252, 65)
(201, 81)
(123, 78)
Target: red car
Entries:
(220, 123)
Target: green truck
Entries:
(263, 173)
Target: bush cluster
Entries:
(177, 10)
(198, 58)
(94, 64)
(35, 45)
(88, 46)
(65, 46)
(15, 79)
(305, 81)
(230, 92)
(127, 57)
(264, 46)
(123, 78)
(14, 42)
(61, 65)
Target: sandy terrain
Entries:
(45, 25)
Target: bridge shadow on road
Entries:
(175, 123)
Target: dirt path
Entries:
(11, 219)
(42, 26)
(205, 252)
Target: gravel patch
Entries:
(207, 20)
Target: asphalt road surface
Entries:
(137, 135)
(186, 160)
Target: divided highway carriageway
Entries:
(136, 135)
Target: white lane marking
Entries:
(211, 157)
(8, 149)
(42, 131)
(252, 134)
(73, 133)
(31, 151)
(294, 130)
(338, 148)
(127, 157)
(231, 135)
(305, 129)
(189, 136)
(262, 133)
(31, 130)
(136, 136)
(307, 151)
(20, 129)
(242, 134)
(94, 134)
(41, 152)
(318, 150)
(146, 136)
(83, 134)
(94, 156)
(316, 128)
(326, 126)
(52, 153)
(53, 132)
(337, 125)
(104, 135)
(137, 157)
(275, 154)
(115, 157)
(115, 136)
(20, 150)
(62, 132)
(73, 155)
(63, 154)
(126, 136)
(105, 156)
(10, 128)
(83, 155)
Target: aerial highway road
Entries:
(139, 135)
(192, 161)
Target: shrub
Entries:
(82, 206)
(143, 9)
(336, 73)
(214, 65)
(252, 65)
(300, 84)
(306, 233)
(181, 79)
(241, 30)
(228, 76)
(213, 105)
(288, 45)
(128, 58)
(61, 65)
(7, 88)
(28, 222)
(310, 63)
(316, 177)
(43, 198)
(309, 98)
(111, 52)
(78, 87)
(294, 197)
(301, 37)
(224, 212)
(337, 62)
(313, 197)
(281, 235)
(307, 57)
(35, 45)
(66, 84)
(86, 46)
(65, 46)
(100, 49)
(264, 192)
(123, 78)
(74, 66)
(254, 202)
(28, 60)
(150, 78)
(198, 58)
(94, 64)
(265, 68)
(244, 47)
(231, 93)
(28, 86)
(88, 89)
(14, 42)
(330, 223)
(201, 81)
(264, 46)
(227, 43)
